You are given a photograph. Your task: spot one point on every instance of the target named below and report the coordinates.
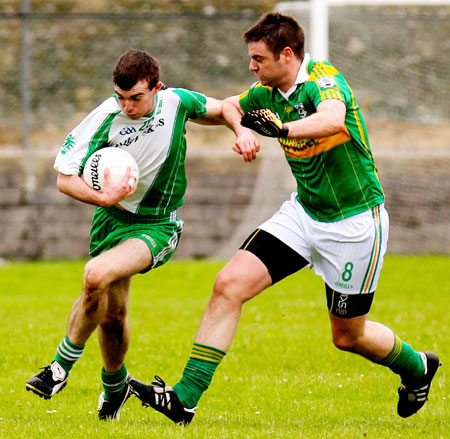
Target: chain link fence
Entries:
(71, 58)
(55, 67)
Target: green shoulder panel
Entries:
(193, 102)
(99, 139)
(257, 96)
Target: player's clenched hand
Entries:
(264, 122)
(115, 192)
(247, 145)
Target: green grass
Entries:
(281, 379)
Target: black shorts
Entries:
(280, 259)
(347, 306)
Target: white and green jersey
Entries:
(156, 141)
(336, 175)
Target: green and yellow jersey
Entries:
(336, 175)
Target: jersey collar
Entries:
(302, 76)
(155, 106)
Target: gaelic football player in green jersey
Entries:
(133, 229)
(335, 222)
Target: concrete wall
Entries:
(36, 221)
(225, 201)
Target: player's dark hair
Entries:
(134, 66)
(278, 31)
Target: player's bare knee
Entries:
(95, 277)
(227, 287)
(345, 341)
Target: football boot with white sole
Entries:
(163, 399)
(50, 381)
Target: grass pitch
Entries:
(281, 379)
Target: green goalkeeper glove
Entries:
(264, 122)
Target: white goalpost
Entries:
(393, 52)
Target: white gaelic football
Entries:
(116, 160)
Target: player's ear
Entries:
(159, 85)
(286, 54)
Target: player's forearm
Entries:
(329, 120)
(213, 115)
(208, 121)
(75, 187)
(232, 117)
(316, 125)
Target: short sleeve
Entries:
(325, 82)
(89, 135)
(192, 101)
(257, 96)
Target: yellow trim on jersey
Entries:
(256, 85)
(243, 95)
(306, 148)
(358, 123)
(321, 69)
(363, 137)
(331, 93)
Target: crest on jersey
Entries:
(68, 144)
(301, 110)
(326, 82)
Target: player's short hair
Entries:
(278, 31)
(134, 66)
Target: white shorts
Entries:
(347, 254)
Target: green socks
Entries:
(68, 353)
(198, 374)
(114, 382)
(405, 361)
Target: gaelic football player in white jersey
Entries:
(136, 236)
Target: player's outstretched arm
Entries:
(75, 187)
(213, 114)
(328, 120)
(246, 143)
